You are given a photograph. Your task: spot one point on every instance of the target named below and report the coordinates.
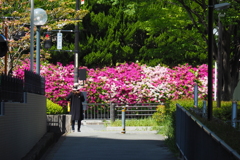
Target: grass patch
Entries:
(134, 122)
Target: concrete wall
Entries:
(59, 123)
(22, 126)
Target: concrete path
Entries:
(96, 142)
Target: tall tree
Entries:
(17, 25)
(113, 34)
(197, 11)
(149, 31)
(173, 39)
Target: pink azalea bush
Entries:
(125, 83)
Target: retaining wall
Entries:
(21, 126)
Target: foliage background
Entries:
(148, 32)
(151, 32)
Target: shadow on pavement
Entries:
(110, 146)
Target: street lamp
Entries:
(220, 7)
(31, 35)
(219, 61)
(211, 6)
(40, 18)
(76, 45)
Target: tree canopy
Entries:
(15, 25)
(230, 54)
(150, 32)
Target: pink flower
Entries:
(126, 83)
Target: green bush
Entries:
(53, 108)
(186, 103)
(165, 117)
(223, 113)
(160, 115)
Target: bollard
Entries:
(204, 109)
(234, 114)
(112, 112)
(195, 95)
(123, 119)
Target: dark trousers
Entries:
(73, 124)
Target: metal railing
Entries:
(96, 111)
(34, 83)
(195, 141)
(114, 111)
(11, 88)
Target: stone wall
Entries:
(22, 125)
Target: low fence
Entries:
(195, 141)
(34, 83)
(12, 88)
(114, 111)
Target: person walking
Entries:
(76, 98)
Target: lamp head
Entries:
(3, 45)
(40, 17)
(221, 6)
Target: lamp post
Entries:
(220, 7)
(32, 35)
(219, 61)
(210, 46)
(40, 18)
(211, 6)
(215, 32)
(76, 46)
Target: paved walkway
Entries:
(96, 142)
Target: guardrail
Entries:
(113, 111)
(196, 141)
(34, 83)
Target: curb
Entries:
(92, 122)
(129, 128)
(42, 146)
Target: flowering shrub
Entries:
(53, 108)
(125, 83)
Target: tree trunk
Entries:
(230, 66)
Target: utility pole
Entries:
(76, 46)
(210, 56)
(32, 36)
(6, 56)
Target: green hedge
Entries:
(53, 108)
(223, 113)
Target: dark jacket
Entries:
(76, 108)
